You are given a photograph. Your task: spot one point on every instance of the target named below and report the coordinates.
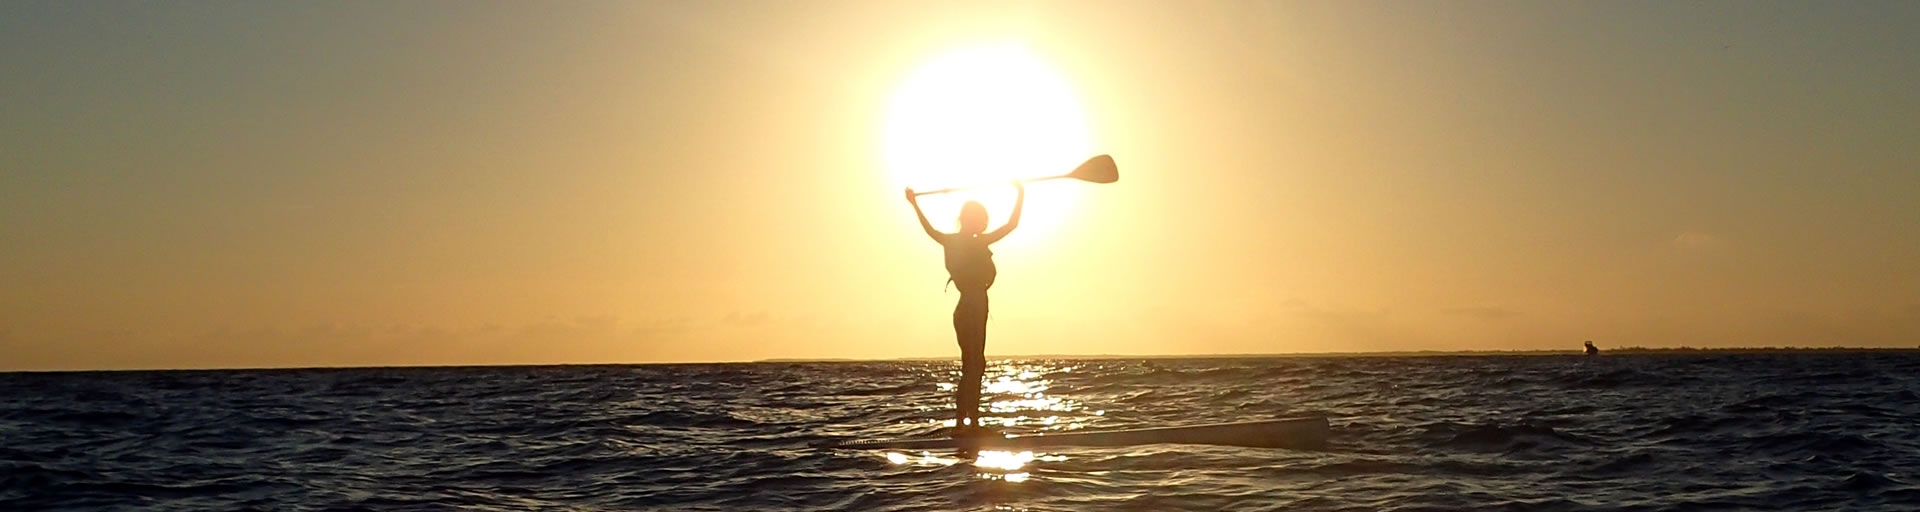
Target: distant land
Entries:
(1423, 353)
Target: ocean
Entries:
(1684, 431)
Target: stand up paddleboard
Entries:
(1282, 433)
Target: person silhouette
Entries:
(1592, 350)
(970, 269)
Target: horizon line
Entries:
(1383, 353)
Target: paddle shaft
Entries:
(957, 189)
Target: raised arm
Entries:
(1013, 221)
(928, 226)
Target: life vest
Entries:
(970, 261)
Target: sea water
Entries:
(1781, 431)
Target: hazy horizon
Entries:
(1540, 352)
(235, 184)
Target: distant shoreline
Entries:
(991, 357)
(1404, 353)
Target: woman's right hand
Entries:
(911, 197)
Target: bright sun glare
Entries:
(986, 115)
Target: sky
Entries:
(292, 184)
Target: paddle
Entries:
(1099, 169)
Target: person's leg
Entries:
(973, 366)
(970, 329)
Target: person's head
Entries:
(973, 218)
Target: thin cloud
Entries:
(1489, 313)
(754, 319)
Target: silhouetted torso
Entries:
(969, 263)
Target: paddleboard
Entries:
(1281, 433)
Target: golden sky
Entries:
(247, 184)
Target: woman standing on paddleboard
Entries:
(970, 268)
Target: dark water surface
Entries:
(1657, 432)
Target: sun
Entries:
(986, 115)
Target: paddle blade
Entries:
(1099, 169)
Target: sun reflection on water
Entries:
(923, 459)
(1015, 397)
(993, 464)
(1011, 389)
(1003, 460)
(1025, 385)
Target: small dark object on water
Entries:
(1592, 350)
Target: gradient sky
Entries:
(221, 184)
